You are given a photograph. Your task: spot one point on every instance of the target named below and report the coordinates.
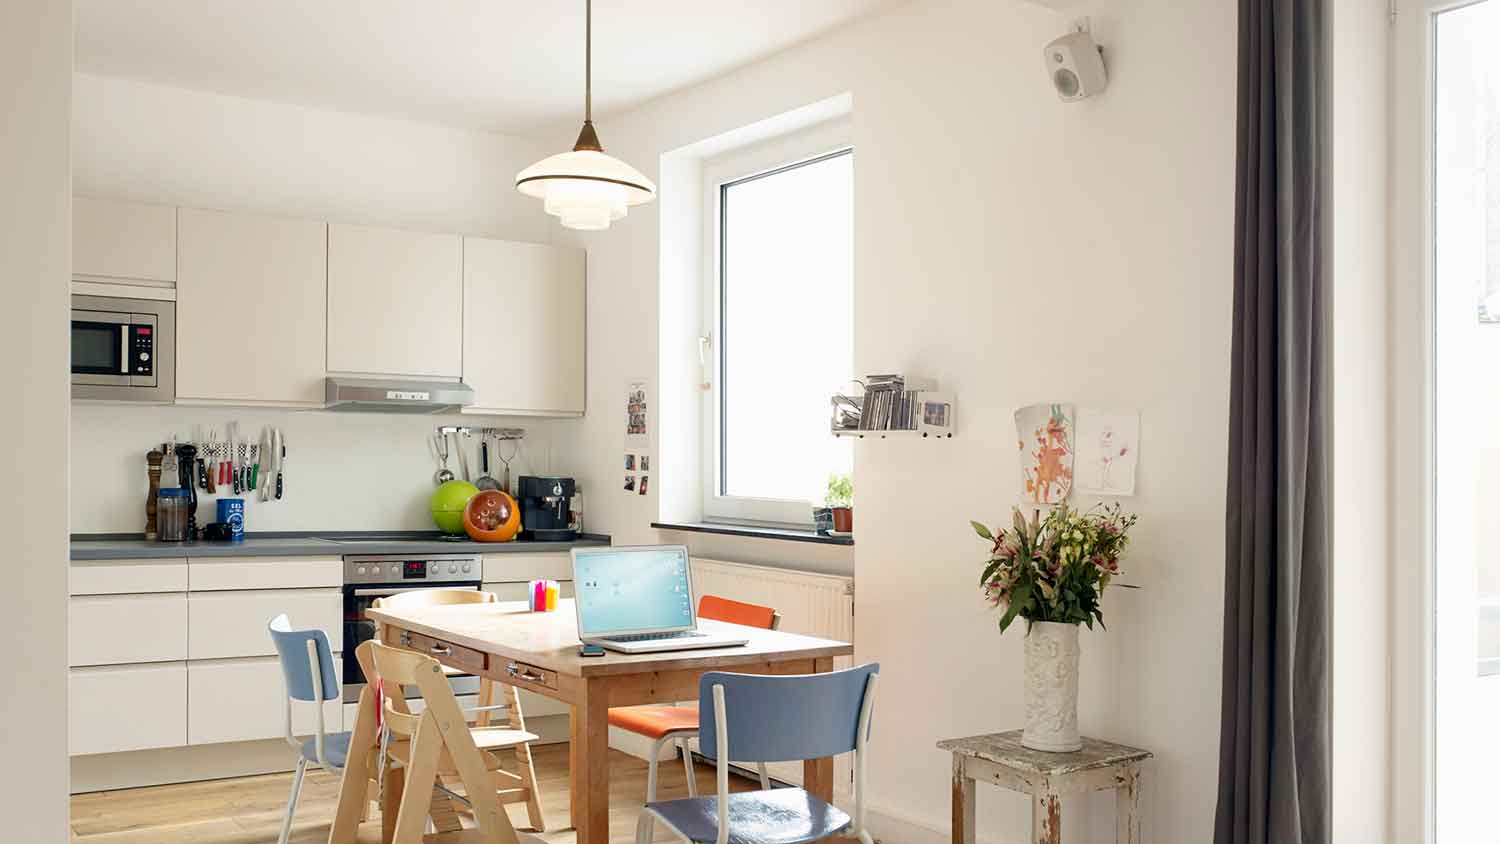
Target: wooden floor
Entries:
(248, 810)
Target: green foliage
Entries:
(840, 491)
(1054, 569)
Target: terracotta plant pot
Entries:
(843, 519)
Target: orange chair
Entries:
(678, 724)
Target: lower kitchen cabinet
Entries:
(245, 700)
(521, 567)
(127, 707)
(119, 629)
(231, 624)
(517, 591)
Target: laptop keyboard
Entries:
(656, 637)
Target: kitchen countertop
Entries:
(337, 544)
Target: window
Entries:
(779, 229)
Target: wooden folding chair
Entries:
(514, 788)
(435, 741)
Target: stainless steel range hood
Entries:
(396, 395)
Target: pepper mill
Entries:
(153, 471)
(185, 461)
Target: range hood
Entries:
(396, 395)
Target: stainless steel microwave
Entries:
(123, 349)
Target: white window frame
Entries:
(762, 157)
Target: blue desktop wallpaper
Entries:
(632, 590)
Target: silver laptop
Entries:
(639, 600)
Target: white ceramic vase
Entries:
(1052, 688)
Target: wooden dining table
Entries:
(538, 652)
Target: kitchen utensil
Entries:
(187, 456)
(492, 516)
(266, 469)
(153, 474)
(485, 482)
(280, 463)
(461, 439)
(440, 445)
(170, 475)
(515, 449)
(171, 514)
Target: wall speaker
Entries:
(1076, 65)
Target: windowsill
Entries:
(784, 534)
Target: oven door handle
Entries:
(387, 592)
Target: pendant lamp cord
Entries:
(588, 61)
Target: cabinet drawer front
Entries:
(517, 591)
(522, 675)
(124, 577)
(244, 700)
(519, 568)
(119, 629)
(135, 707)
(206, 574)
(466, 658)
(233, 624)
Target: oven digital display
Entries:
(413, 570)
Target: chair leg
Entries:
(644, 827)
(523, 761)
(687, 764)
(651, 765)
(291, 803)
(765, 778)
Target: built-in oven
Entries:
(122, 349)
(368, 578)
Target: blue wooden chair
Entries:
(756, 718)
(307, 669)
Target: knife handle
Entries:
(278, 486)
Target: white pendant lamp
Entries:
(585, 188)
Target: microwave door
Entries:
(101, 347)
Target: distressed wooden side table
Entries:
(999, 759)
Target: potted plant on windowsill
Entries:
(1051, 572)
(840, 500)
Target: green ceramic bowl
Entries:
(447, 505)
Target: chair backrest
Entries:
(434, 598)
(738, 612)
(296, 664)
(785, 718)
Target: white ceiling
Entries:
(501, 65)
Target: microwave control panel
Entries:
(142, 347)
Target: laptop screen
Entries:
(632, 589)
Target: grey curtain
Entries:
(1274, 734)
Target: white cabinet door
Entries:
(244, 700)
(130, 707)
(251, 299)
(124, 241)
(524, 327)
(395, 302)
(124, 577)
(118, 629)
(523, 566)
(216, 574)
(233, 624)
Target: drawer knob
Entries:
(441, 650)
(520, 673)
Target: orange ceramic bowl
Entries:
(492, 516)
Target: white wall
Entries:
(36, 59)
(345, 471)
(134, 140)
(1019, 250)
(146, 142)
(1360, 403)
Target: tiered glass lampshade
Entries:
(585, 188)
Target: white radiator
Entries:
(819, 605)
(811, 604)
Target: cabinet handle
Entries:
(520, 673)
(405, 638)
(441, 650)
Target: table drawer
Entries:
(207, 574)
(131, 707)
(524, 675)
(124, 577)
(233, 624)
(519, 568)
(457, 655)
(120, 629)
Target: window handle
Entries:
(705, 345)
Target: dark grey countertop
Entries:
(336, 544)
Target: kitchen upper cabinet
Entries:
(524, 322)
(251, 308)
(124, 241)
(395, 302)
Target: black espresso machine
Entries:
(546, 508)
